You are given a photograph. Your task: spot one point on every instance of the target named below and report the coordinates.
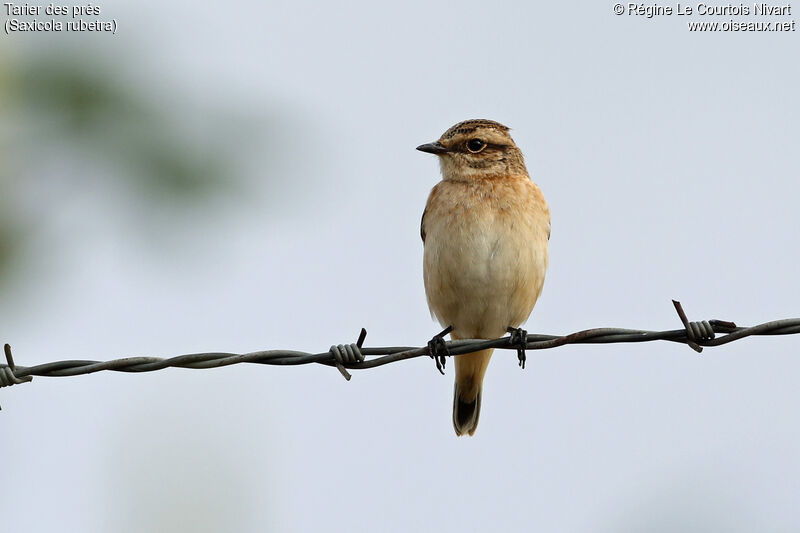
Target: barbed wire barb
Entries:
(8, 372)
(354, 356)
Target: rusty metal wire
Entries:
(353, 356)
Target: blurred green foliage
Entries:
(167, 151)
(83, 105)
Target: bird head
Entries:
(476, 149)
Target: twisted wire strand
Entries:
(354, 356)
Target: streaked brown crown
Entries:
(469, 126)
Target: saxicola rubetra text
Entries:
(485, 231)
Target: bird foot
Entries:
(437, 348)
(519, 338)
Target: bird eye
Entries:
(475, 145)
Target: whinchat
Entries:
(485, 231)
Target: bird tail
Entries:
(470, 369)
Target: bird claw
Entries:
(519, 338)
(437, 349)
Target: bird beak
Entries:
(433, 148)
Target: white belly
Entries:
(484, 273)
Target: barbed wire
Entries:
(354, 356)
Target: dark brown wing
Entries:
(422, 226)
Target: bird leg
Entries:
(518, 338)
(437, 348)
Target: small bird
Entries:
(485, 231)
